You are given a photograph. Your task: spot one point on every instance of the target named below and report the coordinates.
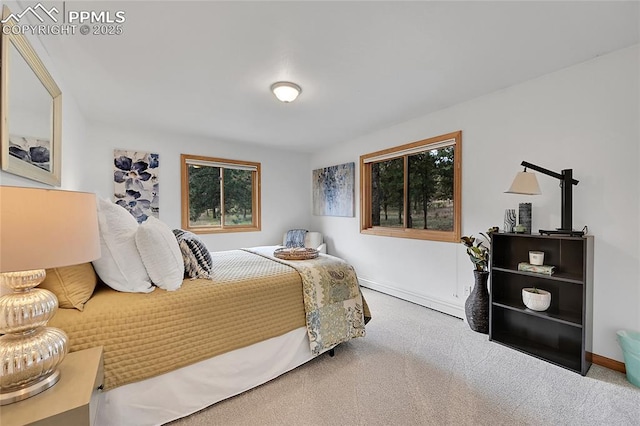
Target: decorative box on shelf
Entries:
(538, 269)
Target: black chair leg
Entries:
(332, 352)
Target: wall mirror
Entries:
(30, 110)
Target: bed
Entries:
(168, 354)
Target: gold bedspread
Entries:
(250, 299)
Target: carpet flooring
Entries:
(417, 366)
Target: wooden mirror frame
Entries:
(9, 163)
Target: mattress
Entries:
(249, 299)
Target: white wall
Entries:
(285, 178)
(585, 117)
(87, 165)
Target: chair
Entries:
(311, 240)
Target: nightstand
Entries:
(71, 401)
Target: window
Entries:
(219, 195)
(413, 190)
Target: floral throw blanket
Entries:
(332, 299)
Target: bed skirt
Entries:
(173, 395)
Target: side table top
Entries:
(81, 373)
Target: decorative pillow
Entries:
(120, 266)
(72, 285)
(295, 238)
(160, 254)
(196, 256)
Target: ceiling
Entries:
(204, 68)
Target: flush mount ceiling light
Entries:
(286, 91)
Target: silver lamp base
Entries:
(30, 352)
(31, 390)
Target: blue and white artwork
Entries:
(36, 151)
(135, 178)
(333, 190)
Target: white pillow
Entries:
(120, 266)
(160, 254)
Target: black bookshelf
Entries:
(562, 334)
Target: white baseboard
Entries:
(429, 302)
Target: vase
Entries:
(524, 215)
(509, 220)
(476, 307)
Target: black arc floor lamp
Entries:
(527, 183)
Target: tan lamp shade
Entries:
(525, 183)
(44, 228)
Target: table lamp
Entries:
(39, 228)
(527, 184)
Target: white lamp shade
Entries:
(286, 91)
(525, 183)
(43, 228)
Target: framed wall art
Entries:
(333, 190)
(135, 178)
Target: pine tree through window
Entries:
(413, 191)
(210, 183)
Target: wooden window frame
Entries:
(255, 195)
(403, 152)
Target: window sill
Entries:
(416, 234)
(204, 230)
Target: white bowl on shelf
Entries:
(536, 299)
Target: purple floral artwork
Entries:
(135, 178)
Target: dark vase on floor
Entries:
(476, 308)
